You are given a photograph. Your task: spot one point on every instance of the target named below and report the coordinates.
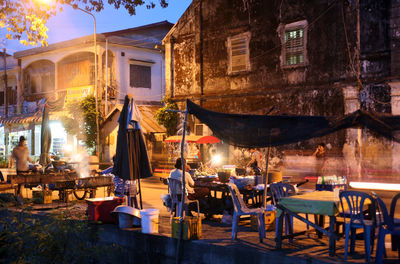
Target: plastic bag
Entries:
(226, 218)
(167, 200)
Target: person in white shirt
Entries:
(21, 155)
(194, 193)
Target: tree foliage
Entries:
(168, 119)
(25, 20)
(82, 120)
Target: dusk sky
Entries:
(71, 23)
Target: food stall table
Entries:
(65, 182)
(219, 198)
(318, 203)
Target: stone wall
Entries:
(200, 62)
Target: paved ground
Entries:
(215, 233)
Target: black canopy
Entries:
(262, 130)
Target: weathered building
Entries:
(298, 56)
(8, 91)
(128, 61)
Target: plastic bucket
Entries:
(125, 220)
(149, 220)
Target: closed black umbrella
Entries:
(131, 159)
(45, 138)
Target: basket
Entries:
(224, 176)
(191, 228)
(270, 219)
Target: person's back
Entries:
(176, 174)
(21, 155)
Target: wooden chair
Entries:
(352, 204)
(173, 186)
(241, 209)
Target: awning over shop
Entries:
(22, 119)
(31, 118)
(188, 138)
(193, 139)
(264, 130)
(147, 122)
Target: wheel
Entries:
(82, 197)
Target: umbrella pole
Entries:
(180, 233)
(140, 194)
(266, 178)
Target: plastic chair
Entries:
(279, 190)
(396, 222)
(173, 186)
(241, 209)
(386, 226)
(352, 203)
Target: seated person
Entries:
(194, 193)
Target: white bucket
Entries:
(149, 220)
(125, 220)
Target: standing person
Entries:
(320, 156)
(255, 162)
(21, 155)
(122, 188)
(197, 154)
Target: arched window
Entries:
(39, 77)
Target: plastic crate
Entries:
(191, 228)
(42, 197)
(99, 209)
(270, 219)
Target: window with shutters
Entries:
(140, 76)
(294, 40)
(11, 94)
(239, 54)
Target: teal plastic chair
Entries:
(355, 218)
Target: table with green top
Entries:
(317, 203)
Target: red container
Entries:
(99, 209)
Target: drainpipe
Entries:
(201, 55)
(19, 87)
(162, 74)
(359, 85)
(106, 72)
(5, 84)
(172, 67)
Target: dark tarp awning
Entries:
(262, 130)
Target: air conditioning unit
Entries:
(202, 130)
